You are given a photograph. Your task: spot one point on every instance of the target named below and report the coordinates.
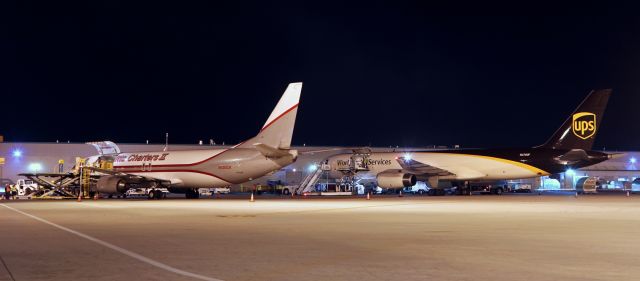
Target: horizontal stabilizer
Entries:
(616, 155)
(270, 151)
(574, 155)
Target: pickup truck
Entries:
(418, 188)
(146, 192)
(214, 191)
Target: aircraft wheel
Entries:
(498, 191)
(158, 194)
(152, 194)
(285, 191)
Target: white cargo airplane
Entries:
(185, 171)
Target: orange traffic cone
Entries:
(252, 200)
(368, 195)
(400, 194)
(628, 193)
(80, 197)
(96, 196)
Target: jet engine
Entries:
(395, 179)
(111, 184)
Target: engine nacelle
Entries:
(395, 179)
(111, 184)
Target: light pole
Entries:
(1, 167)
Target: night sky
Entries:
(374, 73)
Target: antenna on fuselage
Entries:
(166, 142)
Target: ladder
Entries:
(309, 182)
(85, 181)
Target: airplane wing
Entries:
(420, 168)
(335, 149)
(130, 177)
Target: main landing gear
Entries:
(463, 188)
(192, 194)
(156, 194)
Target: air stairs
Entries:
(309, 182)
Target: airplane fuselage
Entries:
(480, 164)
(198, 168)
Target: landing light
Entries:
(632, 160)
(407, 157)
(17, 153)
(570, 172)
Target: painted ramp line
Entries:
(118, 249)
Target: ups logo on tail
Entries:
(584, 125)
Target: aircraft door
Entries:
(146, 166)
(359, 163)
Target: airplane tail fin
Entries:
(278, 130)
(579, 131)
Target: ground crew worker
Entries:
(7, 191)
(14, 191)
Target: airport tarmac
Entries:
(391, 238)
